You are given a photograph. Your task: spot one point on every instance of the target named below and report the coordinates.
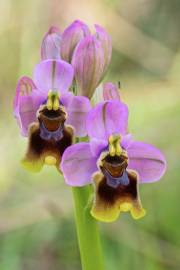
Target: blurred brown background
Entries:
(36, 211)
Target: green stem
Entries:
(87, 231)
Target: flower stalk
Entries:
(87, 231)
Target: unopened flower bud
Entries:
(71, 37)
(50, 48)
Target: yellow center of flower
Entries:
(114, 145)
(53, 101)
(50, 160)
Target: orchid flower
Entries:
(107, 157)
(113, 161)
(48, 113)
(89, 54)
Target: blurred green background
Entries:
(37, 229)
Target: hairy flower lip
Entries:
(44, 144)
(112, 197)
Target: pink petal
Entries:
(71, 37)
(77, 109)
(97, 146)
(110, 91)
(26, 103)
(88, 63)
(24, 85)
(53, 75)
(78, 164)
(110, 117)
(126, 141)
(148, 161)
(50, 47)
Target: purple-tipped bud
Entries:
(110, 91)
(71, 37)
(50, 48)
(88, 63)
